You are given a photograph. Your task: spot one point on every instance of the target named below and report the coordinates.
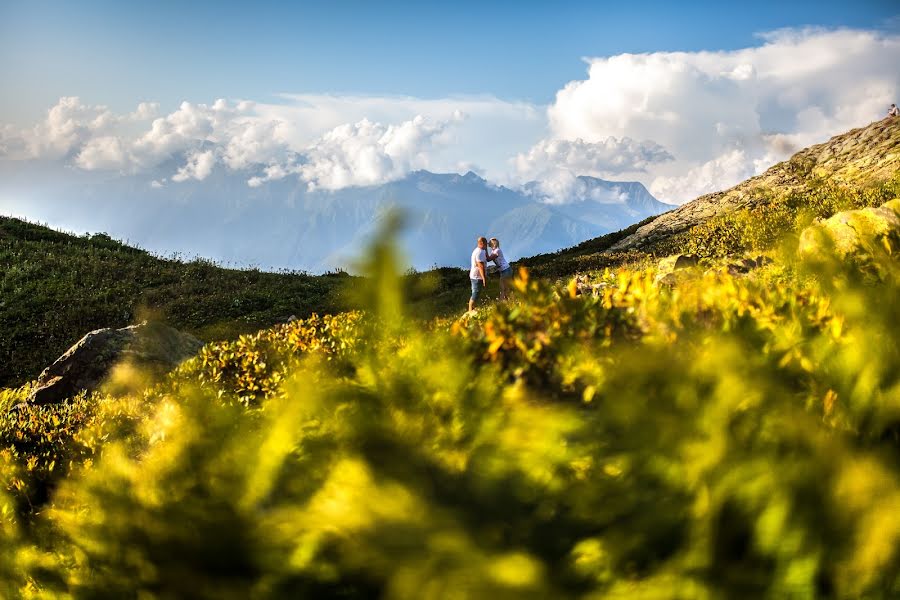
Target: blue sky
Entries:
(686, 98)
(119, 53)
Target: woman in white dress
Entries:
(495, 254)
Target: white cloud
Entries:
(717, 174)
(145, 111)
(179, 131)
(271, 173)
(557, 163)
(368, 153)
(683, 123)
(252, 143)
(485, 130)
(563, 187)
(304, 136)
(199, 166)
(68, 124)
(732, 114)
(107, 152)
(607, 157)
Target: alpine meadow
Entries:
(695, 400)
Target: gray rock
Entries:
(85, 365)
(667, 280)
(745, 265)
(686, 261)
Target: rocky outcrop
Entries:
(745, 265)
(666, 267)
(85, 365)
(870, 153)
(854, 234)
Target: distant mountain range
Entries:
(283, 225)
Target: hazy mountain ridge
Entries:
(282, 224)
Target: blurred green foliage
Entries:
(253, 367)
(727, 436)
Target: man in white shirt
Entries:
(893, 111)
(478, 272)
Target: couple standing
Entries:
(483, 253)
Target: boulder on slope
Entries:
(854, 234)
(86, 365)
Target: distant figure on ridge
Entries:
(893, 111)
(496, 254)
(478, 271)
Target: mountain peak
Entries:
(430, 176)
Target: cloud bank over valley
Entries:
(680, 123)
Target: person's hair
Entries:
(495, 241)
(483, 240)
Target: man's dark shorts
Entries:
(477, 286)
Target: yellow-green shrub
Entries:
(253, 367)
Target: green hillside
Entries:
(55, 287)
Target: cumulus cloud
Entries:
(683, 123)
(360, 154)
(145, 111)
(107, 152)
(180, 131)
(199, 166)
(609, 156)
(68, 124)
(556, 164)
(732, 114)
(367, 153)
(254, 142)
(719, 173)
(564, 187)
(244, 136)
(271, 173)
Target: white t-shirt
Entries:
(478, 255)
(499, 259)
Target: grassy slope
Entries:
(55, 287)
